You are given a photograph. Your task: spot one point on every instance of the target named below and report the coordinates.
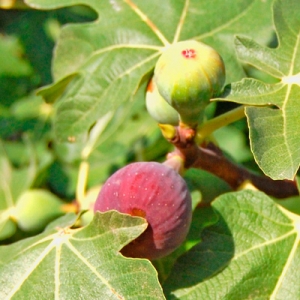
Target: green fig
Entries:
(188, 74)
(7, 228)
(36, 208)
(159, 109)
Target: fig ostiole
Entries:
(158, 108)
(188, 74)
(157, 193)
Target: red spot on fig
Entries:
(189, 53)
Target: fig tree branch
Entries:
(210, 158)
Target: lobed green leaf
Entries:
(275, 127)
(12, 183)
(251, 253)
(67, 263)
(100, 65)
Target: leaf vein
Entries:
(225, 25)
(120, 76)
(57, 271)
(296, 48)
(39, 259)
(126, 46)
(285, 269)
(285, 125)
(93, 269)
(181, 21)
(268, 242)
(146, 19)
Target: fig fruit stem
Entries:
(175, 162)
(82, 182)
(91, 144)
(210, 158)
(225, 119)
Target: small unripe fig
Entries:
(7, 228)
(188, 74)
(159, 109)
(157, 193)
(36, 208)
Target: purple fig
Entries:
(157, 193)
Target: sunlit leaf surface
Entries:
(66, 263)
(274, 127)
(101, 64)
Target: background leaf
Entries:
(63, 262)
(274, 128)
(242, 247)
(12, 183)
(11, 62)
(251, 253)
(110, 56)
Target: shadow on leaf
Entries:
(203, 261)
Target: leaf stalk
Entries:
(225, 119)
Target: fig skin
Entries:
(158, 108)
(36, 208)
(157, 193)
(188, 74)
(8, 229)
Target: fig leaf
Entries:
(60, 259)
(97, 66)
(273, 108)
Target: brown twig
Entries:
(211, 159)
